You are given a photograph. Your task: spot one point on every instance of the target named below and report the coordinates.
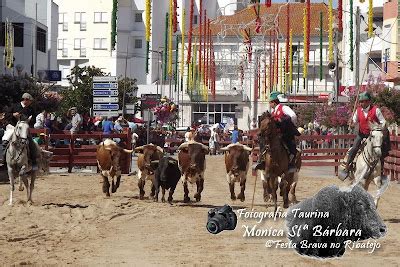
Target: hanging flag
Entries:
(166, 46)
(114, 24)
(256, 9)
(351, 36)
(170, 36)
(308, 29)
(175, 18)
(321, 29)
(340, 14)
(182, 69)
(148, 32)
(290, 59)
(268, 3)
(370, 19)
(330, 32)
(305, 60)
(287, 37)
(9, 44)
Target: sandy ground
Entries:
(71, 222)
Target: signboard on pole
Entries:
(149, 101)
(105, 96)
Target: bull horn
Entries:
(184, 145)
(247, 148)
(224, 148)
(139, 148)
(160, 149)
(205, 147)
(155, 161)
(127, 151)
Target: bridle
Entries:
(367, 156)
(20, 141)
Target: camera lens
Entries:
(213, 227)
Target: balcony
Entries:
(65, 26)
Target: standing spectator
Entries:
(188, 135)
(40, 120)
(254, 124)
(235, 135)
(76, 120)
(213, 142)
(108, 126)
(118, 125)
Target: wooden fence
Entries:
(71, 150)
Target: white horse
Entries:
(368, 164)
(18, 161)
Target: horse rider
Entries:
(12, 116)
(285, 119)
(365, 114)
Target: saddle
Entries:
(352, 164)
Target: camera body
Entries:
(220, 219)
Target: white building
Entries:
(84, 37)
(371, 49)
(35, 34)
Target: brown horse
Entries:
(276, 163)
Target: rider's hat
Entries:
(27, 96)
(364, 96)
(274, 95)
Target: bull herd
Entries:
(165, 172)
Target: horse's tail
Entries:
(385, 184)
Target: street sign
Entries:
(107, 99)
(105, 107)
(105, 93)
(106, 113)
(104, 79)
(105, 85)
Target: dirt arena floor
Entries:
(72, 222)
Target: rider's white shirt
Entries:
(378, 114)
(287, 111)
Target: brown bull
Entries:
(237, 166)
(147, 154)
(107, 155)
(192, 163)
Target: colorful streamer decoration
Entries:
(9, 44)
(291, 58)
(351, 37)
(308, 5)
(256, 9)
(183, 43)
(287, 37)
(321, 31)
(166, 45)
(330, 32)
(170, 32)
(340, 14)
(148, 32)
(175, 18)
(305, 59)
(200, 35)
(370, 19)
(114, 24)
(247, 41)
(190, 33)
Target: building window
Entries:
(61, 44)
(65, 72)
(78, 43)
(214, 113)
(100, 43)
(41, 39)
(80, 17)
(138, 43)
(100, 17)
(195, 19)
(18, 34)
(138, 17)
(62, 17)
